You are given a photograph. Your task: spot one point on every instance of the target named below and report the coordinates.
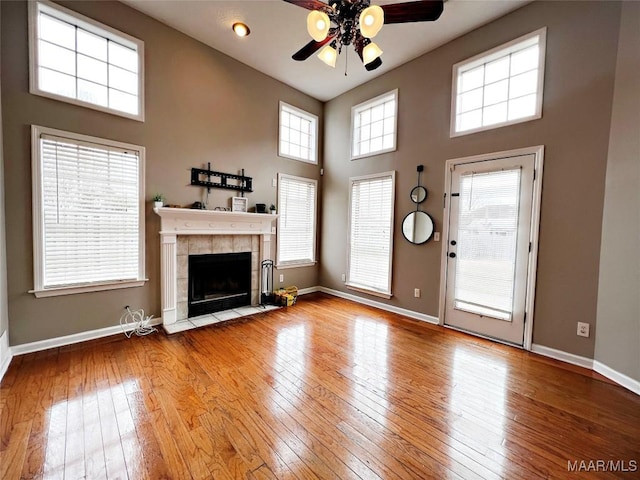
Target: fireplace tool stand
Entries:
(266, 296)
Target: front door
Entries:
(488, 246)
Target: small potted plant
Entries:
(158, 200)
(272, 209)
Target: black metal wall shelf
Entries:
(240, 182)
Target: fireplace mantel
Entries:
(186, 221)
(176, 222)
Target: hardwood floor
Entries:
(325, 389)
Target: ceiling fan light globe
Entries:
(328, 55)
(371, 21)
(370, 53)
(318, 25)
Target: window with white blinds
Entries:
(373, 126)
(371, 205)
(298, 136)
(297, 220)
(487, 239)
(88, 218)
(78, 60)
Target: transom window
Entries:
(371, 205)
(298, 134)
(373, 126)
(297, 199)
(78, 60)
(88, 219)
(500, 87)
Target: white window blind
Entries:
(79, 60)
(298, 134)
(297, 220)
(500, 87)
(88, 212)
(371, 233)
(487, 239)
(373, 125)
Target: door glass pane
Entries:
(487, 237)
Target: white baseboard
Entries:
(620, 378)
(5, 354)
(71, 339)
(382, 306)
(305, 291)
(563, 356)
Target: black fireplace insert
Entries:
(219, 282)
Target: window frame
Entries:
(298, 263)
(491, 55)
(314, 124)
(92, 26)
(361, 288)
(369, 104)
(38, 216)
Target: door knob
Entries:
(452, 255)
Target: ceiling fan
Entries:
(340, 23)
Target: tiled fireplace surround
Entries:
(209, 244)
(185, 232)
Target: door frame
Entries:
(532, 268)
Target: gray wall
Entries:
(201, 106)
(4, 312)
(580, 66)
(618, 326)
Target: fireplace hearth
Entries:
(218, 282)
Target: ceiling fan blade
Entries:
(312, 47)
(310, 4)
(418, 11)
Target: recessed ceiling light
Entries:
(241, 29)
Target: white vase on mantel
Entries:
(158, 204)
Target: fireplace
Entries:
(218, 282)
(185, 232)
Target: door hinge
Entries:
(534, 174)
(529, 247)
(525, 318)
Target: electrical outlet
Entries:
(416, 292)
(281, 277)
(583, 329)
(436, 237)
(274, 182)
(344, 277)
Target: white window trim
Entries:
(359, 288)
(369, 104)
(485, 57)
(90, 25)
(314, 120)
(295, 264)
(38, 241)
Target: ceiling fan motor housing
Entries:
(345, 14)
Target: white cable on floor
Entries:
(135, 322)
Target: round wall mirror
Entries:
(417, 227)
(418, 194)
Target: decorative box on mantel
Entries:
(178, 222)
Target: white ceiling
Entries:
(278, 29)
